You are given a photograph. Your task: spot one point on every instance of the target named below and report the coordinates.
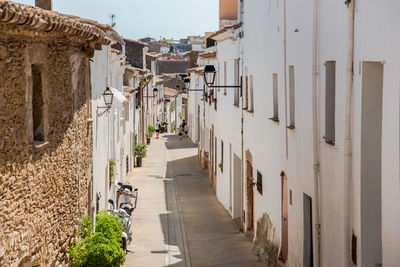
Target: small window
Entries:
(236, 96)
(259, 182)
(330, 94)
(291, 98)
(221, 164)
(275, 96)
(246, 89)
(37, 105)
(219, 74)
(225, 77)
(215, 155)
(251, 92)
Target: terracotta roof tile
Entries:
(16, 17)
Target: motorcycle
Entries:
(163, 127)
(126, 222)
(126, 193)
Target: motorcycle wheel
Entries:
(124, 246)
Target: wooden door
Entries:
(250, 196)
(285, 241)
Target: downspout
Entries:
(316, 125)
(242, 217)
(348, 120)
(285, 77)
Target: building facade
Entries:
(46, 132)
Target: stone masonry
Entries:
(43, 189)
(45, 132)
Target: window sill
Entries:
(236, 105)
(275, 120)
(40, 144)
(250, 111)
(331, 143)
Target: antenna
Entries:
(112, 20)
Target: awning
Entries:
(118, 95)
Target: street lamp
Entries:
(108, 100)
(209, 75)
(186, 81)
(155, 91)
(108, 97)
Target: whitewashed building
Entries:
(320, 183)
(113, 128)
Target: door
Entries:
(285, 241)
(237, 186)
(250, 196)
(308, 238)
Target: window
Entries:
(251, 99)
(221, 165)
(236, 97)
(219, 74)
(246, 88)
(225, 77)
(215, 155)
(259, 182)
(275, 96)
(291, 97)
(37, 105)
(330, 94)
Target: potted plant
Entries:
(148, 136)
(151, 129)
(140, 152)
(221, 166)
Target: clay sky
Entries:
(142, 18)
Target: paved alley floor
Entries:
(178, 220)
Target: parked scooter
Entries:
(126, 193)
(126, 221)
(163, 127)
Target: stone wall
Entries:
(171, 66)
(134, 53)
(43, 188)
(267, 244)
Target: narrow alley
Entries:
(178, 220)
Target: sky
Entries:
(146, 18)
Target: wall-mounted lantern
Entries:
(209, 75)
(108, 100)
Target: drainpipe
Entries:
(285, 76)
(348, 120)
(316, 134)
(242, 217)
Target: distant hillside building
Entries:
(171, 66)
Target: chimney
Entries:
(44, 4)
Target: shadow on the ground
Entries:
(185, 142)
(178, 253)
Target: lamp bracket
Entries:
(106, 109)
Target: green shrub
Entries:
(140, 150)
(149, 134)
(112, 164)
(151, 129)
(102, 248)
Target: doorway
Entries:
(308, 236)
(237, 184)
(249, 196)
(371, 154)
(285, 224)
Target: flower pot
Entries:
(148, 140)
(139, 161)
